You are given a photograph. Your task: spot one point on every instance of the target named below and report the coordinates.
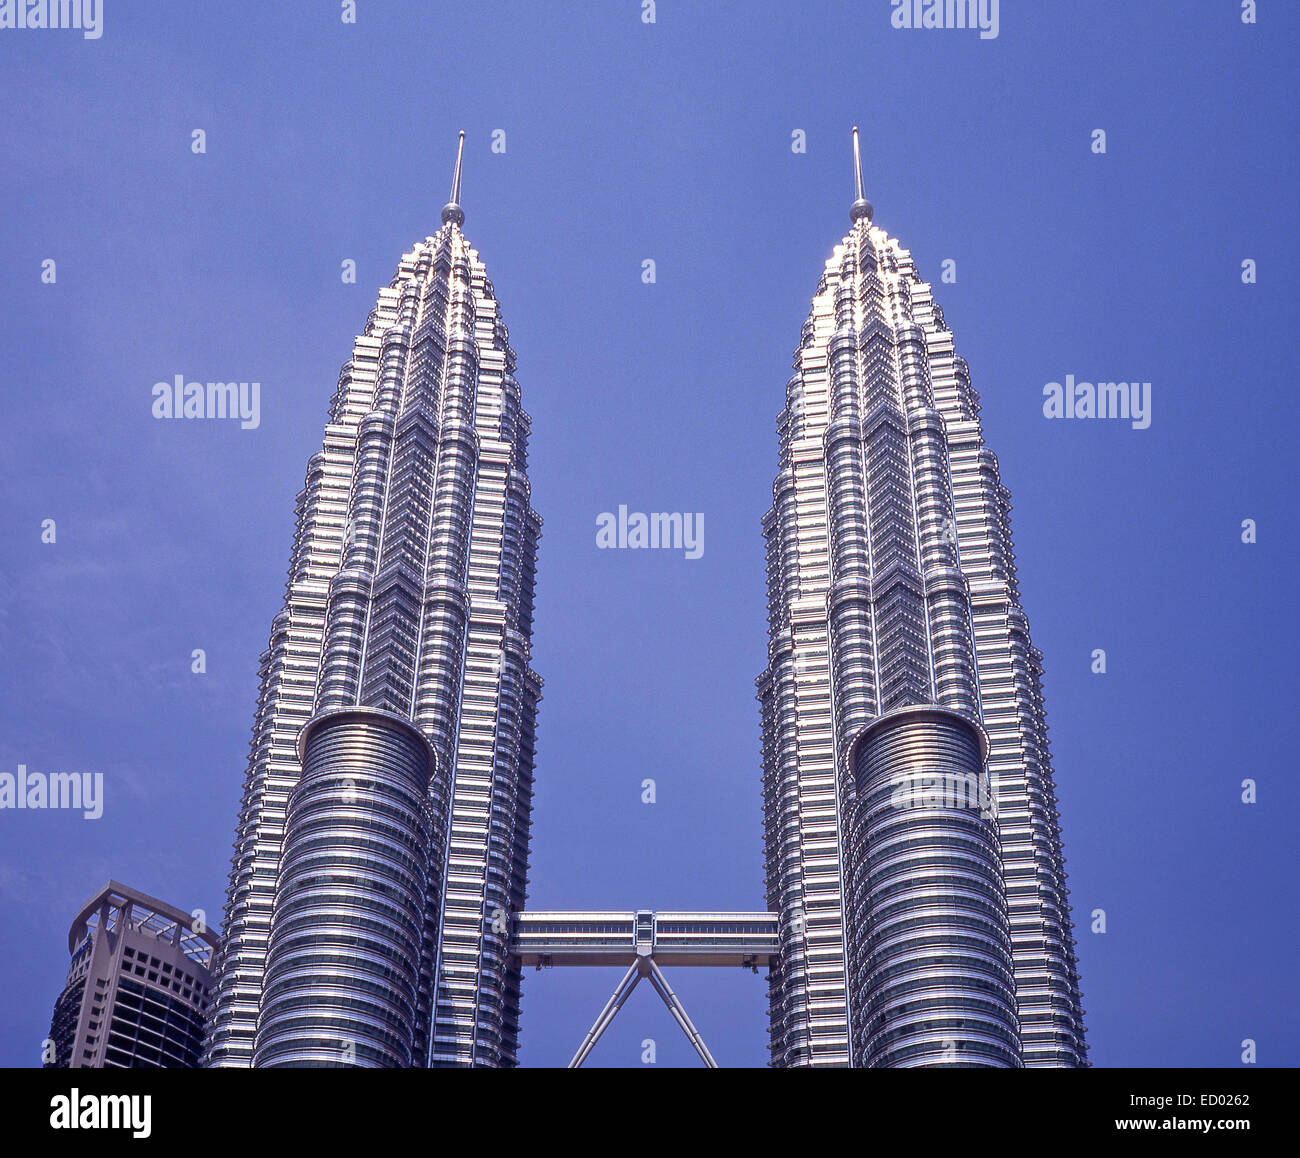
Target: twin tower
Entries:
(917, 909)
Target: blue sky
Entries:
(672, 142)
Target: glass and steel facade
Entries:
(561, 938)
(891, 584)
(411, 594)
(375, 909)
(350, 957)
(137, 985)
(930, 979)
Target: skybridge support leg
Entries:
(678, 1010)
(612, 1006)
(643, 966)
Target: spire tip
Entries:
(861, 207)
(452, 212)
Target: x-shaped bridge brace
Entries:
(644, 966)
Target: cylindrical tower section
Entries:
(344, 957)
(930, 951)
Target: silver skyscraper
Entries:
(913, 848)
(382, 842)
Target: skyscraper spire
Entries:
(861, 207)
(397, 680)
(913, 929)
(452, 212)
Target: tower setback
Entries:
(892, 587)
(370, 896)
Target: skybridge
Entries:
(645, 941)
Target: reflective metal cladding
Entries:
(350, 961)
(931, 976)
(892, 584)
(410, 596)
(916, 889)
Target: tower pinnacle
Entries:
(452, 212)
(860, 207)
(425, 455)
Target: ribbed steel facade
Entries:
(350, 958)
(891, 582)
(930, 979)
(411, 591)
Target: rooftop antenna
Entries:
(452, 212)
(861, 207)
